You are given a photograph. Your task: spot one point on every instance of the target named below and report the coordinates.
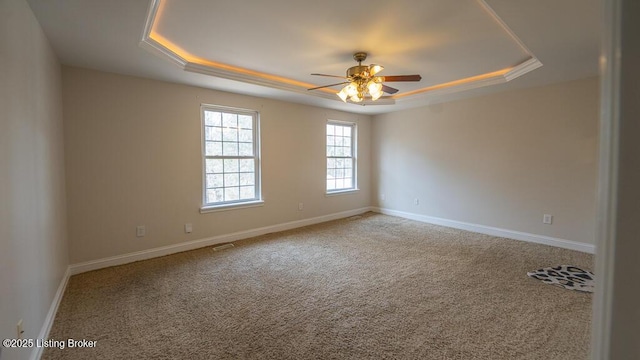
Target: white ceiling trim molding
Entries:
(153, 46)
(456, 86)
(158, 49)
(524, 68)
(505, 27)
(209, 67)
(252, 79)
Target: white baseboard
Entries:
(196, 244)
(51, 315)
(488, 230)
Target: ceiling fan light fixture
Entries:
(363, 82)
(356, 98)
(343, 94)
(375, 89)
(375, 68)
(352, 89)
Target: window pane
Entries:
(348, 163)
(348, 172)
(331, 140)
(218, 180)
(211, 196)
(330, 129)
(230, 149)
(212, 133)
(245, 122)
(231, 180)
(212, 118)
(331, 151)
(348, 183)
(331, 162)
(213, 180)
(216, 133)
(245, 149)
(214, 195)
(247, 192)
(346, 131)
(231, 193)
(331, 184)
(229, 120)
(208, 133)
(229, 134)
(213, 166)
(213, 148)
(246, 135)
(231, 165)
(247, 165)
(247, 178)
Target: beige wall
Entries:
(501, 160)
(133, 153)
(33, 244)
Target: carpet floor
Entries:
(367, 287)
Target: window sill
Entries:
(342, 192)
(217, 208)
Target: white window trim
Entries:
(258, 201)
(354, 149)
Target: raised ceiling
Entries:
(270, 48)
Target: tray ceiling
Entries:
(269, 49)
(453, 45)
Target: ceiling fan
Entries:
(362, 80)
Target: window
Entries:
(231, 156)
(341, 158)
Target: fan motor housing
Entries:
(356, 71)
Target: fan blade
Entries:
(320, 87)
(335, 76)
(402, 78)
(389, 89)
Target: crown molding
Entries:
(253, 79)
(523, 68)
(443, 89)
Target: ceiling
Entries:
(460, 48)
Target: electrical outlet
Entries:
(300, 206)
(188, 228)
(416, 201)
(19, 329)
(547, 219)
(141, 231)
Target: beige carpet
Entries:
(371, 286)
